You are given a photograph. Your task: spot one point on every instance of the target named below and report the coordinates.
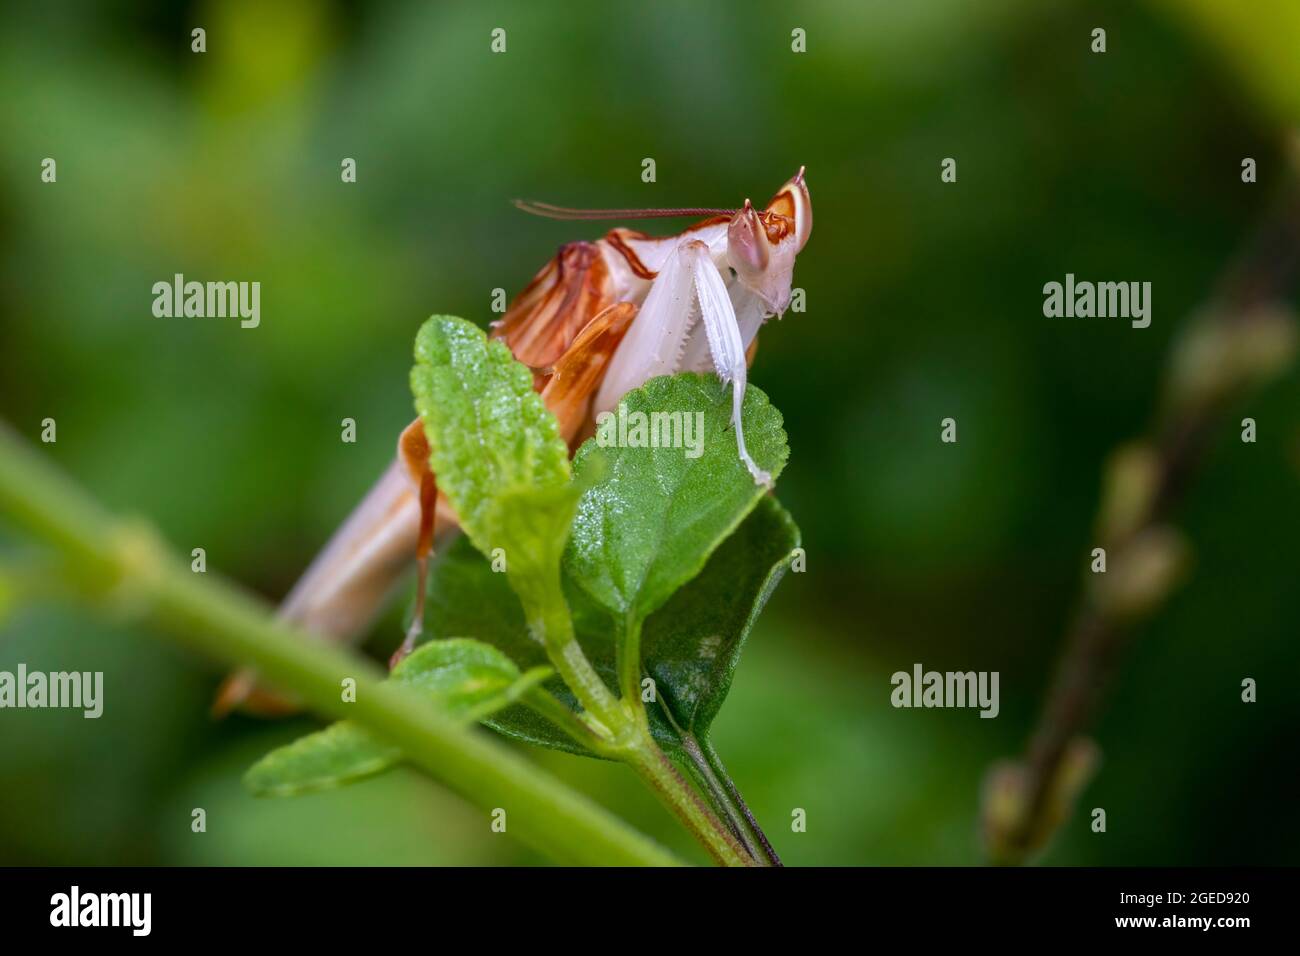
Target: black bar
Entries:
(252, 907)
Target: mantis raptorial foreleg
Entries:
(725, 343)
(689, 284)
(655, 342)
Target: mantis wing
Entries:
(575, 377)
(547, 316)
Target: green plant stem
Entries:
(705, 767)
(626, 721)
(672, 789)
(629, 668)
(127, 564)
(549, 619)
(731, 798)
(594, 738)
(707, 783)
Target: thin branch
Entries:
(125, 564)
(1244, 336)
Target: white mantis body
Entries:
(600, 319)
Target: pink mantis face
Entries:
(761, 246)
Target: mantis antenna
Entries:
(548, 211)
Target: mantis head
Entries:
(761, 246)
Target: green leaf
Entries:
(466, 595)
(494, 446)
(341, 753)
(467, 679)
(652, 523)
(691, 645)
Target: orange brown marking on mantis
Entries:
(704, 223)
(782, 204)
(413, 446)
(615, 239)
(778, 225)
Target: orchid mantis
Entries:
(601, 318)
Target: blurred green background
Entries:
(924, 301)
